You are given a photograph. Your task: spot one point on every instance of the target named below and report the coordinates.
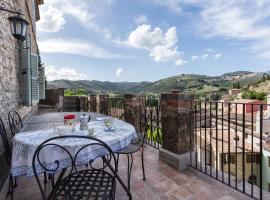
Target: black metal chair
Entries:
(15, 122)
(97, 181)
(8, 154)
(135, 146)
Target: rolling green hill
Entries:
(189, 83)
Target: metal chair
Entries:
(8, 154)
(15, 122)
(97, 181)
(135, 146)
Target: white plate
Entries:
(102, 118)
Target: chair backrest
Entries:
(5, 141)
(69, 159)
(15, 122)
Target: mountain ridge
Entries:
(189, 83)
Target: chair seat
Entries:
(131, 148)
(86, 184)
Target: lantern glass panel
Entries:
(24, 28)
(18, 27)
(12, 28)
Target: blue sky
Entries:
(147, 40)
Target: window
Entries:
(229, 158)
(252, 158)
(233, 158)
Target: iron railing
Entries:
(153, 131)
(228, 145)
(116, 107)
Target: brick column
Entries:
(177, 129)
(83, 104)
(133, 106)
(93, 103)
(104, 104)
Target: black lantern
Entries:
(18, 27)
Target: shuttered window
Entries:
(34, 78)
(41, 80)
(25, 73)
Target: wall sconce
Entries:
(18, 25)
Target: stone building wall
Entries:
(9, 58)
(9, 63)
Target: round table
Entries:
(25, 144)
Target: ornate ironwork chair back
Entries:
(73, 162)
(15, 122)
(5, 141)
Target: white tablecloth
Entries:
(25, 144)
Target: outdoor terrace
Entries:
(162, 182)
(193, 131)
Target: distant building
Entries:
(250, 105)
(234, 92)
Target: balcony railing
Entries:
(228, 144)
(228, 139)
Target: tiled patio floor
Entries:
(162, 182)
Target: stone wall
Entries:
(9, 58)
(9, 64)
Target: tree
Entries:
(263, 78)
(81, 92)
(248, 94)
(69, 92)
(238, 85)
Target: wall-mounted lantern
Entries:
(18, 25)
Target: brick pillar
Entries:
(133, 106)
(104, 104)
(83, 104)
(177, 129)
(93, 103)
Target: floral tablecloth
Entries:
(25, 144)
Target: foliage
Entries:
(154, 135)
(250, 94)
(68, 92)
(75, 92)
(236, 85)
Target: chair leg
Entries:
(130, 163)
(45, 178)
(52, 181)
(15, 183)
(117, 161)
(10, 187)
(143, 164)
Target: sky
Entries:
(148, 40)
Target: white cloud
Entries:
(52, 20)
(76, 47)
(209, 50)
(217, 55)
(162, 46)
(140, 19)
(63, 73)
(194, 57)
(204, 55)
(86, 12)
(241, 20)
(119, 72)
